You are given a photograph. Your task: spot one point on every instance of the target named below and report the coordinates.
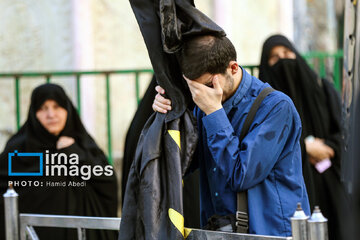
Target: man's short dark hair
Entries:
(206, 54)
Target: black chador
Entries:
(318, 104)
(96, 197)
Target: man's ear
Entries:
(234, 67)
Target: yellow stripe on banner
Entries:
(177, 219)
(187, 232)
(175, 134)
(355, 1)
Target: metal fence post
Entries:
(317, 226)
(11, 214)
(298, 224)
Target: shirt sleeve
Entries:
(248, 163)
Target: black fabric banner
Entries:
(153, 207)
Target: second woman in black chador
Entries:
(318, 104)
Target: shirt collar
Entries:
(240, 92)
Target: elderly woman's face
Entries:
(52, 116)
(279, 52)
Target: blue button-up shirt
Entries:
(267, 163)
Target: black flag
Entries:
(152, 206)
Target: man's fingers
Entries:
(217, 86)
(194, 91)
(158, 109)
(189, 82)
(160, 103)
(191, 87)
(216, 83)
(186, 79)
(162, 100)
(162, 106)
(193, 84)
(159, 89)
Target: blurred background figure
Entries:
(53, 124)
(319, 107)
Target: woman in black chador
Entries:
(54, 125)
(318, 104)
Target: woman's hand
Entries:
(318, 150)
(64, 142)
(160, 103)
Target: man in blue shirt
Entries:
(266, 164)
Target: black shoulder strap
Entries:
(251, 115)
(242, 219)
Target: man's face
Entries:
(226, 82)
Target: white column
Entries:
(302, 25)
(286, 18)
(84, 59)
(332, 26)
(223, 15)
